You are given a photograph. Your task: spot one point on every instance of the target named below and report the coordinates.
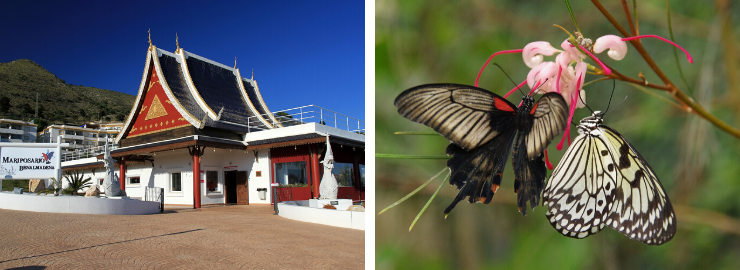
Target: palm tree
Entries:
(76, 182)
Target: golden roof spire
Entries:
(150, 38)
(177, 43)
(253, 74)
(235, 62)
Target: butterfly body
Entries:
(603, 181)
(482, 127)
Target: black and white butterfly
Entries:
(603, 181)
(482, 128)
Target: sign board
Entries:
(28, 162)
(274, 184)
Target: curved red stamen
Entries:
(557, 82)
(515, 88)
(574, 99)
(547, 161)
(607, 71)
(489, 60)
(691, 60)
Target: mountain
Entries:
(59, 102)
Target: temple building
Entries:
(203, 133)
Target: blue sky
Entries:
(302, 52)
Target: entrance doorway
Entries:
(230, 182)
(237, 187)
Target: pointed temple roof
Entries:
(183, 91)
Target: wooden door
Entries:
(242, 187)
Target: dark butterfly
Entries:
(482, 128)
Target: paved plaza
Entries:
(219, 237)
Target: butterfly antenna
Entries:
(507, 76)
(584, 103)
(620, 103)
(614, 85)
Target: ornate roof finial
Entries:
(150, 38)
(234, 61)
(177, 43)
(253, 74)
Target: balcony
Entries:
(309, 114)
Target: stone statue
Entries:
(328, 187)
(111, 184)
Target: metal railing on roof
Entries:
(87, 152)
(308, 114)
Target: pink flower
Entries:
(566, 75)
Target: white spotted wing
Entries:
(603, 181)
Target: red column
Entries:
(196, 177)
(316, 180)
(122, 173)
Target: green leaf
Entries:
(411, 193)
(675, 51)
(416, 133)
(567, 3)
(428, 202)
(379, 155)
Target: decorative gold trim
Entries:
(168, 101)
(166, 129)
(143, 109)
(177, 43)
(150, 39)
(248, 101)
(197, 93)
(157, 110)
(166, 90)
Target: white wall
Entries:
(299, 210)
(76, 204)
(180, 160)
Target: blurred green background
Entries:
(419, 42)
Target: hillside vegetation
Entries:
(58, 101)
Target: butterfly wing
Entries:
(477, 173)
(529, 176)
(580, 192)
(466, 115)
(641, 210)
(549, 118)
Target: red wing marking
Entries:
(534, 108)
(502, 105)
(494, 187)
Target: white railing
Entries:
(86, 152)
(309, 114)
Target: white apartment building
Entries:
(82, 137)
(17, 131)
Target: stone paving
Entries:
(219, 237)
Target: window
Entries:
(136, 180)
(15, 127)
(101, 181)
(291, 173)
(176, 181)
(212, 181)
(362, 174)
(343, 173)
(15, 136)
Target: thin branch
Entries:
(629, 17)
(694, 107)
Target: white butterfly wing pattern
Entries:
(603, 181)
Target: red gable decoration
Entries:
(157, 113)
